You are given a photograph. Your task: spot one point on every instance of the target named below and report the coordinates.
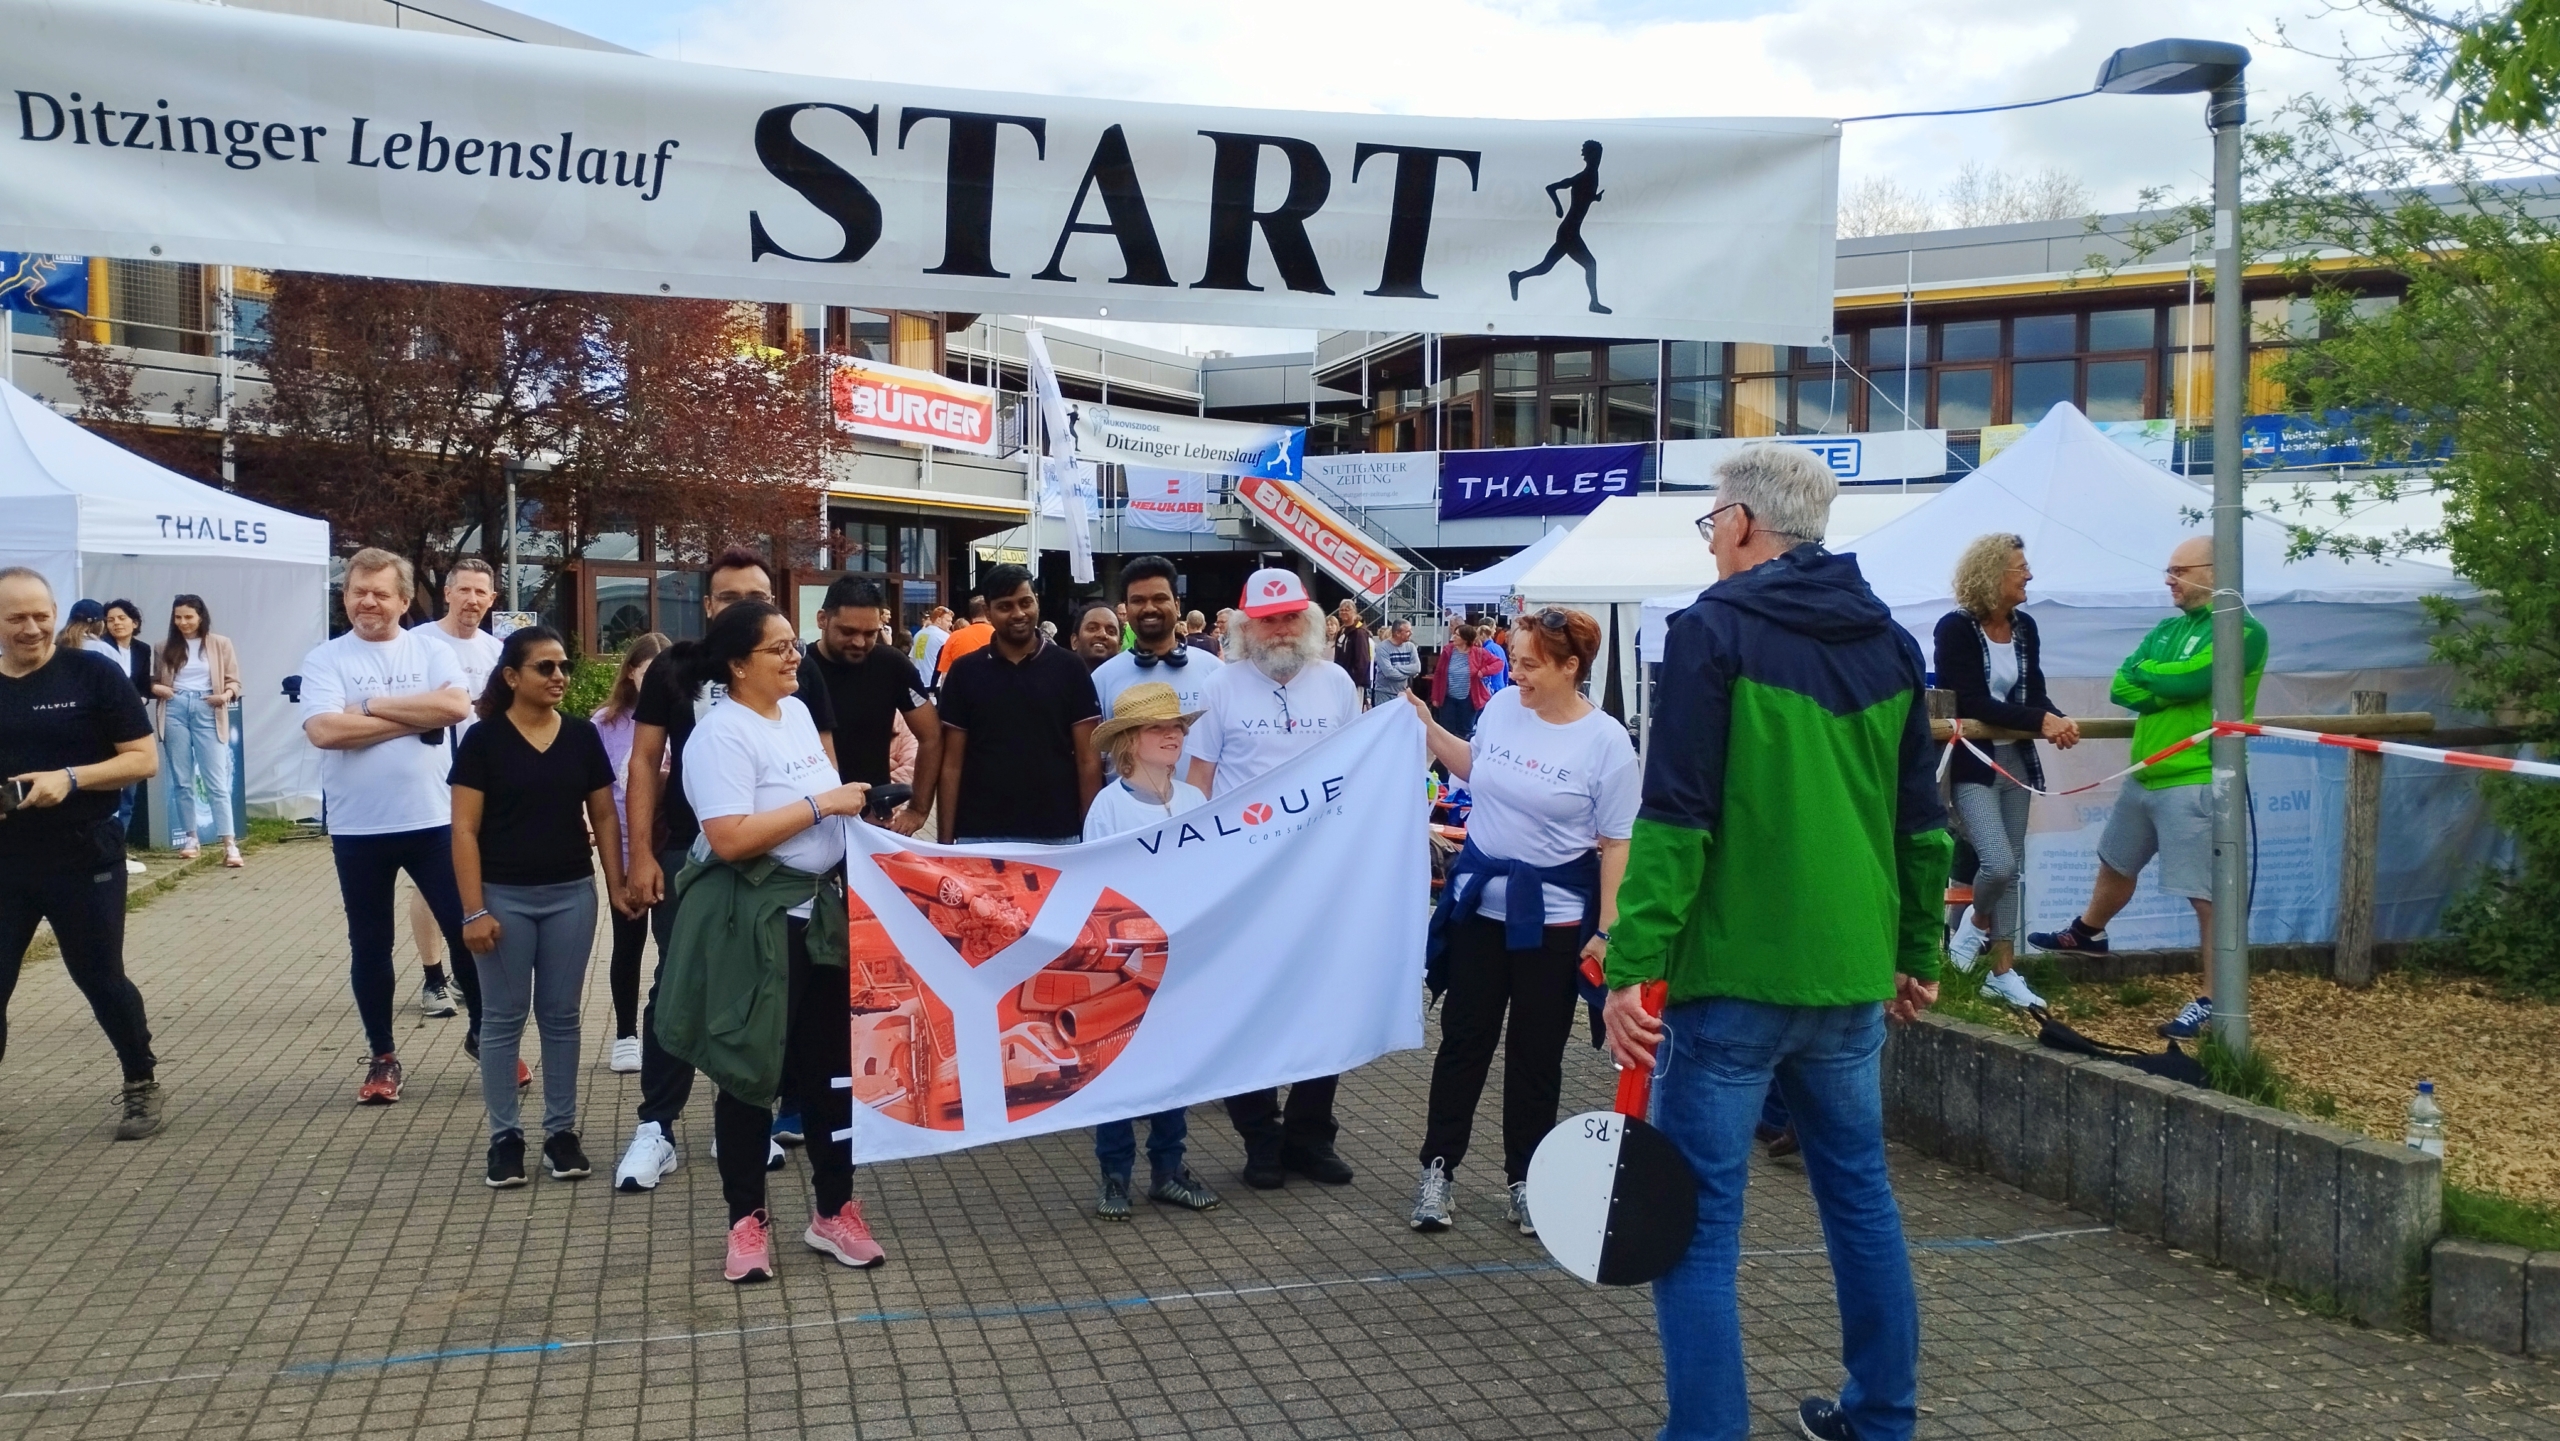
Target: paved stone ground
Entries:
(279, 1263)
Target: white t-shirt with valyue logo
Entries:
(1545, 793)
(395, 785)
(737, 763)
(1255, 723)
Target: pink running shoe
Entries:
(750, 1253)
(844, 1237)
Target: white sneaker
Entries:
(435, 998)
(626, 1055)
(1964, 949)
(133, 867)
(1517, 1209)
(648, 1161)
(2011, 987)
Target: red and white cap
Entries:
(1273, 592)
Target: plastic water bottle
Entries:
(2426, 1122)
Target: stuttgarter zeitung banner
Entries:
(1275, 934)
(203, 133)
(894, 402)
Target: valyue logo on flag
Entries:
(918, 406)
(1010, 990)
(1322, 536)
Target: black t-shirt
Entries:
(866, 695)
(533, 807)
(72, 711)
(663, 703)
(1018, 768)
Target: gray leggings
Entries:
(1995, 821)
(539, 967)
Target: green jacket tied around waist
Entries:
(724, 985)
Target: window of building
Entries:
(1692, 409)
(2121, 329)
(1969, 340)
(1964, 397)
(1568, 366)
(2037, 386)
(2119, 389)
(2045, 335)
(1635, 362)
(1896, 346)
(1629, 412)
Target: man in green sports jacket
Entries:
(1786, 880)
(2167, 809)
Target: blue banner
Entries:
(2279, 442)
(1536, 480)
(38, 283)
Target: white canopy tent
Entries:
(1492, 585)
(102, 522)
(2099, 524)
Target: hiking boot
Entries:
(141, 1110)
(2193, 1017)
(750, 1255)
(845, 1237)
(506, 1160)
(566, 1158)
(1431, 1198)
(2011, 987)
(1112, 1203)
(1183, 1189)
(1262, 1169)
(381, 1082)
(1317, 1163)
(1516, 1209)
(1821, 1419)
(2073, 937)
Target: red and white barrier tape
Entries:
(2472, 759)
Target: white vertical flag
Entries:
(1058, 466)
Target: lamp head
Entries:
(2172, 67)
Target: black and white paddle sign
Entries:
(1615, 1201)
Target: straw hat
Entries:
(1150, 703)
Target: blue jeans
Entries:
(194, 752)
(1715, 1071)
(539, 969)
(1115, 1143)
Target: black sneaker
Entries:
(1262, 1168)
(2070, 938)
(506, 1160)
(141, 1110)
(1821, 1419)
(1318, 1164)
(471, 1043)
(1112, 1204)
(1183, 1189)
(560, 1150)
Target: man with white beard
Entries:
(1278, 694)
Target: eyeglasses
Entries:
(1552, 619)
(782, 650)
(1707, 522)
(547, 669)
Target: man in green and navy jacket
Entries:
(1786, 879)
(2167, 809)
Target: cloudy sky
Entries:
(1537, 59)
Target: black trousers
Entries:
(1485, 979)
(817, 1048)
(665, 1082)
(630, 937)
(1267, 1127)
(85, 903)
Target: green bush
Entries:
(2506, 928)
(592, 685)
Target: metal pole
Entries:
(226, 375)
(513, 602)
(2227, 112)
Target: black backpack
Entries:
(2172, 1064)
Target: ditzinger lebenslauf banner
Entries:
(1272, 935)
(205, 133)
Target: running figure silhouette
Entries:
(1586, 191)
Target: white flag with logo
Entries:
(1011, 990)
(1176, 500)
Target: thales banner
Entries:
(1537, 479)
(1273, 935)
(147, 130)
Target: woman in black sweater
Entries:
(1988, 654)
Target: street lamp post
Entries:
(2187, 67)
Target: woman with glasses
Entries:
(1988, 654)
(529, 787)
(1534, 891)
(760, 935)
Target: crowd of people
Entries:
(1790, 757)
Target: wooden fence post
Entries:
(2352, 964)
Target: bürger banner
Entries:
(1368, 568)
(218, 135)
(917, 406)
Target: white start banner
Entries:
(1006, 991)
(223, 135)
(893, 402)
(1174, 500)
(1374, 482)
